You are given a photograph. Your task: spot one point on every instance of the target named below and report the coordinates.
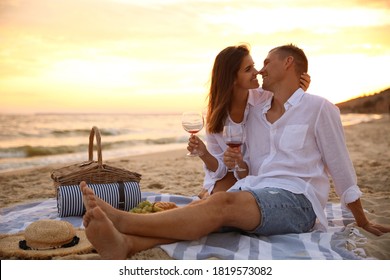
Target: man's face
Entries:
(272, 71)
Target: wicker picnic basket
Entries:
(92, 172)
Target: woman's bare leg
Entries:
(225, 183)
(220, 186)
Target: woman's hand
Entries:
(305, 81)
(233, 155)
(194, 143)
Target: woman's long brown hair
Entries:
(224, 73)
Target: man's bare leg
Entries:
(190, 222)
(121, 220)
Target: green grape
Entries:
(136, 210)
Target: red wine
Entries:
(193, 131)
(234, 144)
(192, 128)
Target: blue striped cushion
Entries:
(70, 200)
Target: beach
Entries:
(174, 173)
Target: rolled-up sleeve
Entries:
(352, 194)
(214, 143)
(331, 142)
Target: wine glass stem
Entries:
(194, 150)
(238, 168)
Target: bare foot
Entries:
(107, 240)
(89, 199)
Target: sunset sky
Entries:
(132, 56)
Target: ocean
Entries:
(40, 139)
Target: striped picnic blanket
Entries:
(342, 241)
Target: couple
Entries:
(293, 141)
(233, 93)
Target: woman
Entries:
(234, 89)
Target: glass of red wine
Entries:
(233, 134)
(192, 122)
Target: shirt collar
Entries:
(294, 99)
(251, 101)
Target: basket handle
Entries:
(95, 132)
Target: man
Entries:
(293, 140)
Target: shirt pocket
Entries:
(293, 137)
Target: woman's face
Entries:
(247, 75)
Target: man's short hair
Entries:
(300, 59)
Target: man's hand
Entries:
(376, 229)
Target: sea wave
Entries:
(27, 151)
(63, 133)
(353, 119)
(85, 132)
(9, 164)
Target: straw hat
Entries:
(45, 239)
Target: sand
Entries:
(172, 172)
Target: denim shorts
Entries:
(283, 212)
